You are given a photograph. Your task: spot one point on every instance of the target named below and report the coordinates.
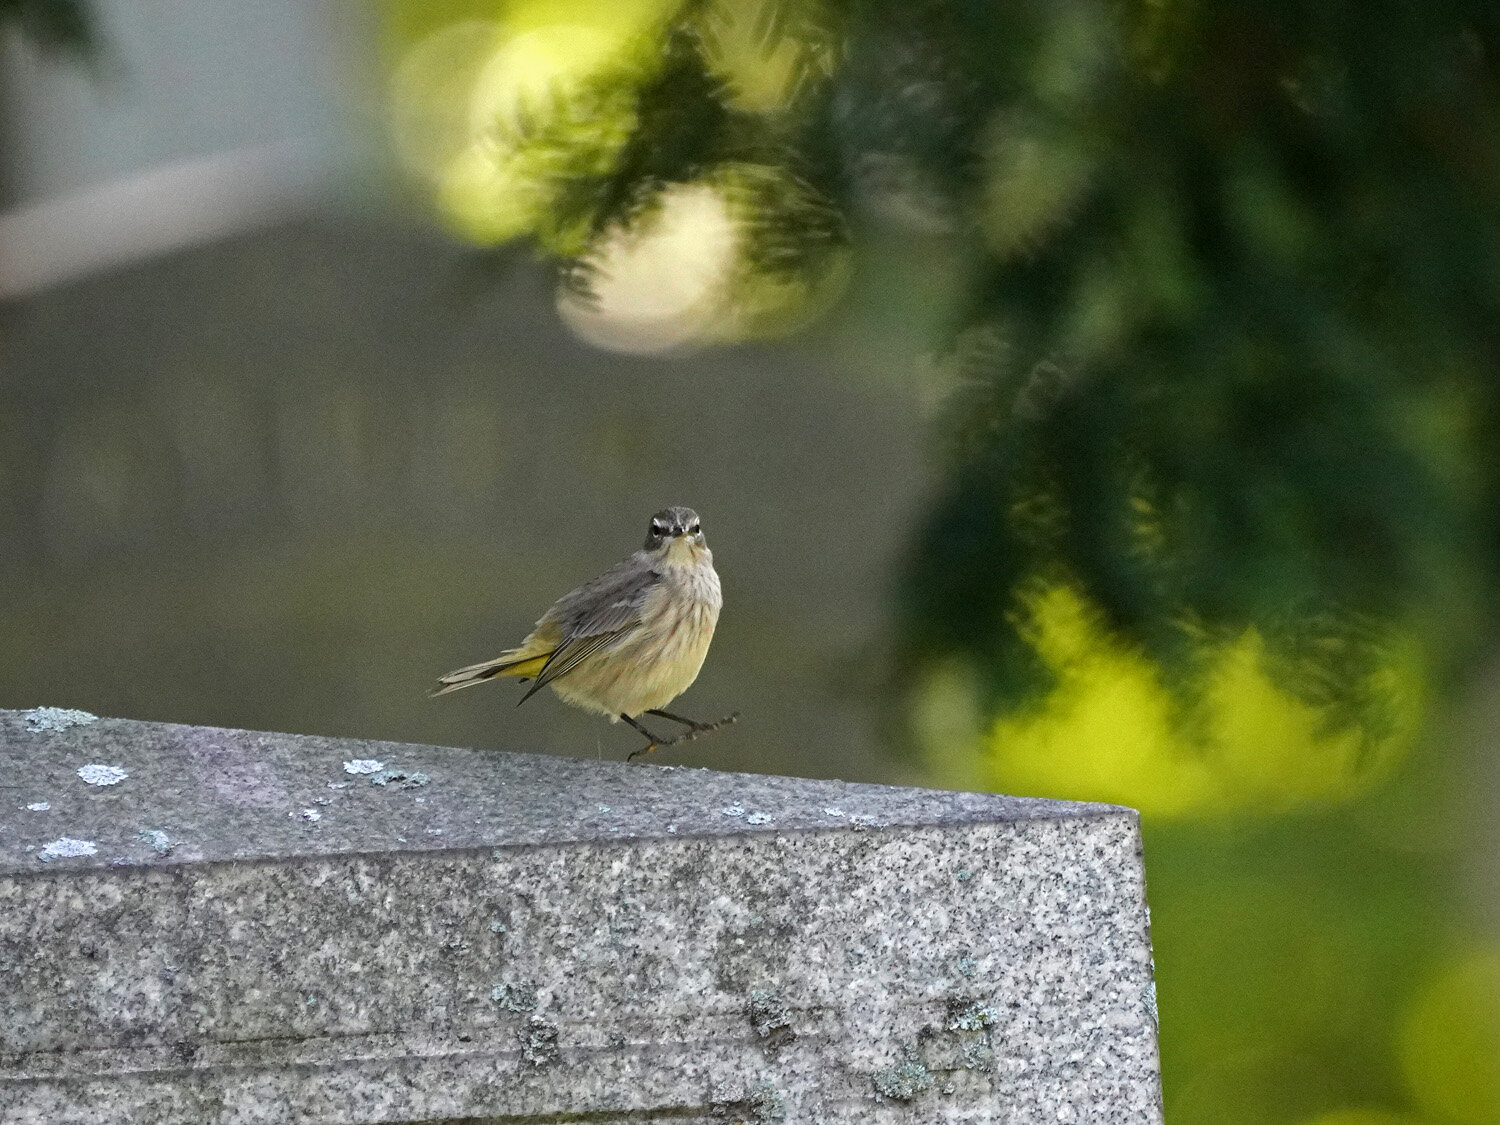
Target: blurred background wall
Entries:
(194, 122)
(294, 416)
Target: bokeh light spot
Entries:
(532, 70)
(502, 116)
(1450, 1039)
(484, 196)
(431, 89)
(661, 283)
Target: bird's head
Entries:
(677, 533)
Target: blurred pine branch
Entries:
(65, 26)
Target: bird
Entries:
(627, 643)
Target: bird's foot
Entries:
(705, 728)
(694, 725)
(694, 731)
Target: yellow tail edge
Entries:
(506, 665)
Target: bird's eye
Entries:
(658, 530)
(697, 527)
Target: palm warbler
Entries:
(630, 641)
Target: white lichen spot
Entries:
(306, 814)
(339, 784)
(40, 719)
(765, 1103)
(159, 840)
(434, 832)
(972, 1017)
(363, 765)
(604, 808)
(904, 1082)
(97, 774)
(519, 997)
(759, 818)
(67, 848)
(672, 829)
(833, 812)
(862, 821)
(733, 810)
(38, 806)
(401, 779)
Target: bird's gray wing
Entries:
(595, 615)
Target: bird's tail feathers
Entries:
(516, 662)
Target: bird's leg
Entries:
(652, 742)
(695, 728)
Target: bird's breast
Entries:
(686, 603)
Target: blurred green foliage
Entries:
(1231, 368)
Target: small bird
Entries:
(630, 641)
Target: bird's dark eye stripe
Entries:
(697, 527)
(657, 529)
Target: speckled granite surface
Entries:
(205, 926)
